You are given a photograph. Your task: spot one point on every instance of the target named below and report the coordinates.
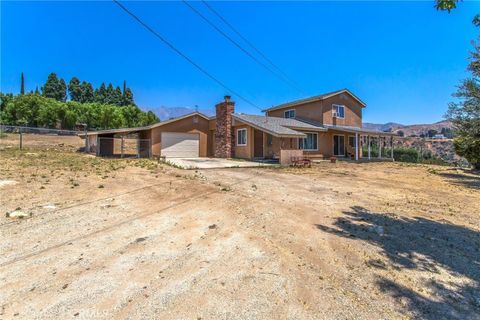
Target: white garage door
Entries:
(180, 145)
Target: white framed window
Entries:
(309, 143)
(241, 137)
(289, 114)
(338, 110)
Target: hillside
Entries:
(409, 130)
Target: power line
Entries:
(180, 53)
(215, 12)
(236, 44)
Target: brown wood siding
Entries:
(321, 111)
(353, 111)
(311, 110)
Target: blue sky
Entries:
(404, 59)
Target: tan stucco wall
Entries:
(186, 125)
(243, 152)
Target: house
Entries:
(322, 126)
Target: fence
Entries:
(18, 137)
(123, 147)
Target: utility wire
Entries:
(236, 44)
(180, 53)
(215, 12)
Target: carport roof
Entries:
(276, 126)
(136, 129)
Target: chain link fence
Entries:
(18, 137)
(123, 147)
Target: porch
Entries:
(343, 145)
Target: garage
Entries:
(180, 145)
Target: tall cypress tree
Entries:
(22, 85)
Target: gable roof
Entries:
(315, 98)
(135, 129)
(276, 126)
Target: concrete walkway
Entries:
(213, 163)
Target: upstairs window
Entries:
(338, 111)
(289, 114)
(241, 137)
(310, 142)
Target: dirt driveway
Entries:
(133, 239)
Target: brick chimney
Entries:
(224, 132)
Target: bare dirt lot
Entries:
(116, 238)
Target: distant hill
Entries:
(409, 130)
(165, 113)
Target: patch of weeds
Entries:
(101, 186)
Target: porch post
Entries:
(379, 147)
(356, 146)
(368, 137)
(391, 144)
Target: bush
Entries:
(405, 155)
(469, 148)
(37, 111)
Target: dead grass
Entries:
(131, 238)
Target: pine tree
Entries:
(36, 90)
(55, 88)
(87, 92)
(465, 115)
(127, 96)
(75, 90)
(101, 93)
(22, 85)
(118, 96)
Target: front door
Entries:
(257, 144)
(338, 145)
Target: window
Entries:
(338, 110)
(289, 114)
(310, 142)
(241, 137)
(269, 139)
(351, 141)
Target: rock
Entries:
(49, 206)
(18, 214)
(4, 183)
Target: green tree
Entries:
(465, 114)
(75, 89)
(101, 93)
(55, 88)
(87, 95)
(127, 95)
(36, 90)
(22, 85)
(447, 5)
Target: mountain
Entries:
(410, 130)
(387, 127)
(166, 113)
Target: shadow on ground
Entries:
(423, 245)
(469, 180)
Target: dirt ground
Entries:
(116, 238)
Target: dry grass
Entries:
(130, 238)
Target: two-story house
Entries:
(318, 127)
